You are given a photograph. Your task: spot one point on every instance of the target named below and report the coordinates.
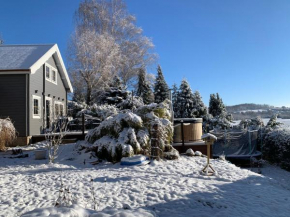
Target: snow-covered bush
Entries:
(218, 122)
(73, 108)
(120, 135)
(127, 133)
(129, 104)
(254, 123)
(273, 123)
(104, 111)
(276, 147)
(7, 133)
(84, 111)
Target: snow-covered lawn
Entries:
(168, 188)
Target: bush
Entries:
(73, 108)
(7, 133)
(104, 111)
(277, 147)
(120, 135)
(127, 133)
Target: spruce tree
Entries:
(216, 105)
(143, 89)
(184, 105)
(174, 99)
(199, 109)
(161, 90)
(114, 94)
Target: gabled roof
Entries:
(30, 58)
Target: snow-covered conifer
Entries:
(114, 94)
(143, 89)
(199, 109)
(174, 98)
(184, 105)
(161, 90)
(216, 105)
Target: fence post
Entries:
(83, 125)
(154, 142)
(182, 136)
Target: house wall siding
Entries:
(56, 92)
(13, 95)
(36, 88)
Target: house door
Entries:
(47, 113)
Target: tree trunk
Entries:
(89, 94)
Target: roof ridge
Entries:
(11, 45)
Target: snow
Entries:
(208, 135)
(77, 211)
(164, 188)
(286, 122)
(21, 56)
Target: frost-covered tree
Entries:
(273, 123)
(199, 109)
(115, 94)
(143, 88)
(216, 105)
(106, 42)
(161, 90)
(174, 99)
(184, 105)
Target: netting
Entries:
(236, 143)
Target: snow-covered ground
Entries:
(167, 188)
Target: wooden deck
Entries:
(71, 136)
(195, 146)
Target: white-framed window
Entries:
(50, 73)
(36, 107)
(48, 111)
(58, 109)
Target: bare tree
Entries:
(106, 42)
(54, 136)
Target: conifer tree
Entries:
(174, 99)
(184, 105)
(143, 90)
(216, 105)
(161, 90)
(199, 109)
(114, 94)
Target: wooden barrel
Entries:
(192, 128)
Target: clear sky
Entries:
(240, 49)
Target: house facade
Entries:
(34, 85)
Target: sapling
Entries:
(64, 196)
(54, 137)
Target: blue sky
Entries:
(240, 49)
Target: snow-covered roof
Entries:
(30, 58)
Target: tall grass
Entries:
(7, 133)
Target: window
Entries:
(50, 73)
(58, 109)
(61, 109)
(36, 109)
(53, 75)
(47, 72)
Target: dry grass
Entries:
(7, 133)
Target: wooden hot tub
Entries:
(187, 134)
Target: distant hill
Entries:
(251, 110)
